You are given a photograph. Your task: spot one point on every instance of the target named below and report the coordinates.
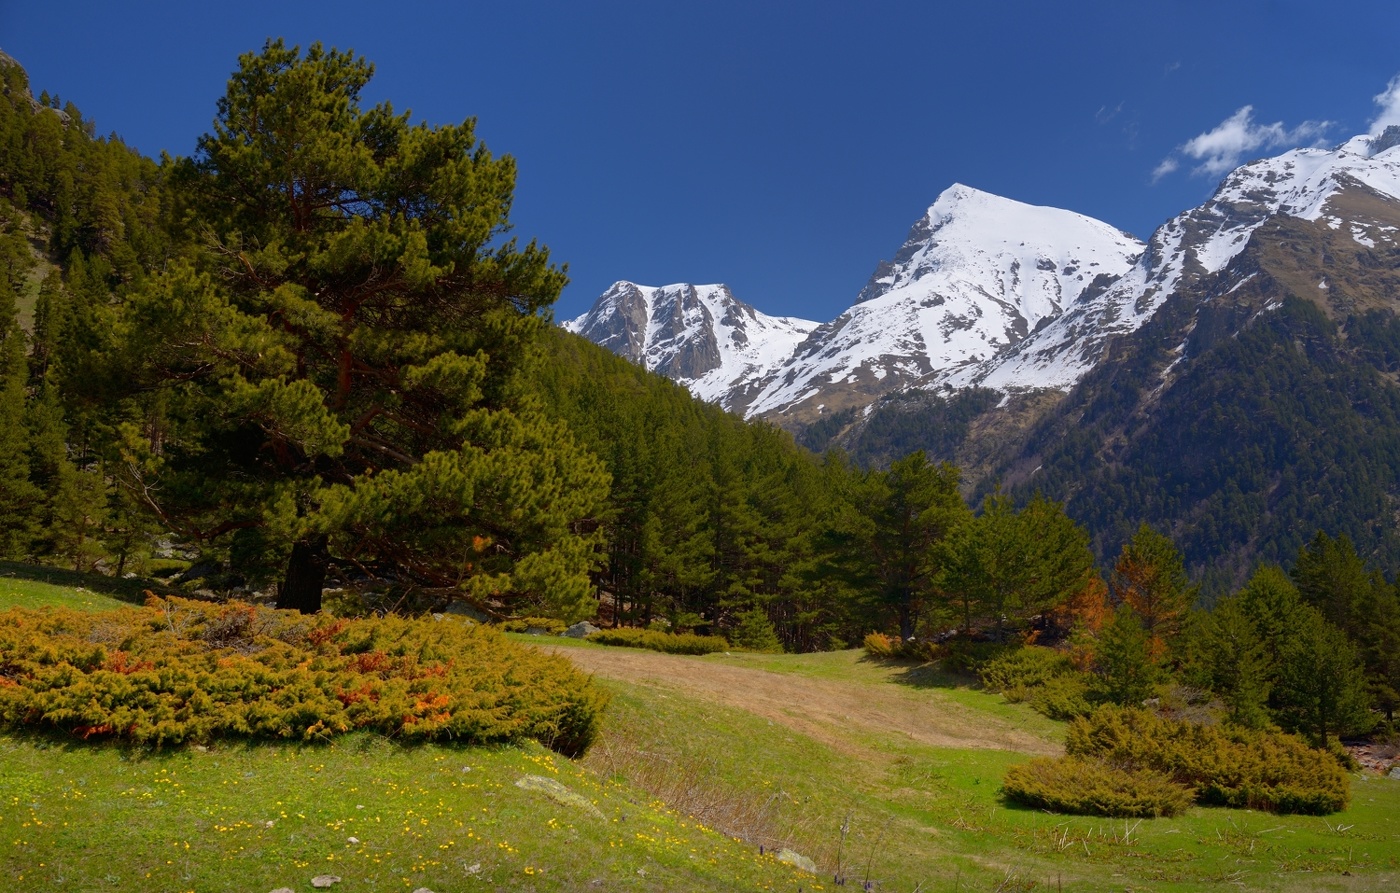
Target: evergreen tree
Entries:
(914, 507)
(1236, 662)
(335, 378)
(1321, 687)
(1007, 567)
(1124, 669)
(1332, 578)
(20, 499)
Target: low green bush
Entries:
(1024, 668)
(179, 670)
(670, 643)
(1094, 787)
(1224, 765)
(1062, 697)
(550, 625)
(894, 648)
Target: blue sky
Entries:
(780, 147)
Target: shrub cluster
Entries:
(180, 670)
(1042, 677)
(894, 648)
(1094, 787)
(1015, 672)
(1224, 765)
(670, 643)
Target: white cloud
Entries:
(1224, 147)
(1389, 101)
(1168, 166)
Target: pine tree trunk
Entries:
(306, 576)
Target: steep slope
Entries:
(698, 335)
(976, 275)
(1259, 404)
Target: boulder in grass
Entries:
(322, 881)
(797, 860)
(581, 630)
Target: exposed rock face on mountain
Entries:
(699, 335)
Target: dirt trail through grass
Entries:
(844, 714)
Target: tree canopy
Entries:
(330, 371)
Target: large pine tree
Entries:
(331, 375)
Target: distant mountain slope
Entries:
(1258, 401)
(699, 335)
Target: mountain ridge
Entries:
(988, 292)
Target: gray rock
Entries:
(322, 881)
(580, 630)
(797, 860)
(558, 793)
(284, 890)
(1394, 771)
(467, 610)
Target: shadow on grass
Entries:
(923, 675)
(127, 590)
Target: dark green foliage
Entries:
(1224, 765)
(904, 423)
(1095, 787)
(1317, 681)
(1042, 677)
(332, 378)
(1320, 691)
(1236, 665)
(708, 516)
(178, 671)
(1006, 567)
(914, 509)
(1267, 435)
(1125, 671)
(1332, 578)
(753, 631)
(654, 640)
(1024, 668)
(1063, 697)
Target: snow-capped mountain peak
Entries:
(699, 335)
(977, 274)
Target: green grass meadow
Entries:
(658, 804)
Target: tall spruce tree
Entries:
(332, 375)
